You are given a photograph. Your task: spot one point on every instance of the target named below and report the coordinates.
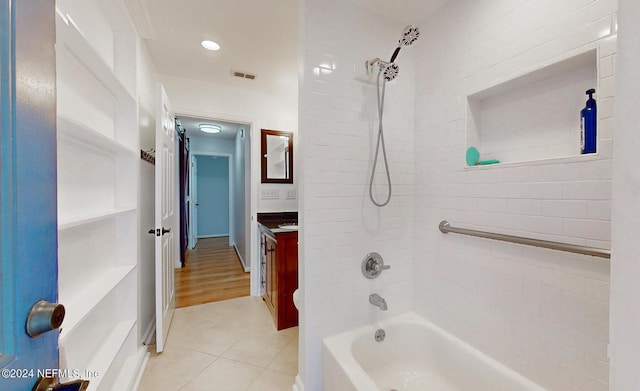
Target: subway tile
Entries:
(599, 210)
(586, 190)
(598, 290)
(599, 369)
(565, 282)
(589, 229)
(565, 208)
(607, 87)
(602, 8)
(606, 67)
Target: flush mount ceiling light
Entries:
(210, 45)
(209, 128)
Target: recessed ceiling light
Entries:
(209, 128)
(210, 45)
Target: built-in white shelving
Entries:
(105, 357)
(73, 221)
(85, 301)
(98, 144)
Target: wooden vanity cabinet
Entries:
(279, 275)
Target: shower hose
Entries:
(380, 141)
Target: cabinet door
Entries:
(287, 279)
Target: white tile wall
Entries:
(541, 312)
(338, 125)
(544, 313)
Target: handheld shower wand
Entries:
(387, 71)
(409, 35)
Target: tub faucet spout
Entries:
(378, 301)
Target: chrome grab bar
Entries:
(445, 227)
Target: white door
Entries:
(165, 219)
(193, 205)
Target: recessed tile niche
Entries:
(535, 116)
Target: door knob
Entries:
(165, 230)
(44, 317)
(49, 384)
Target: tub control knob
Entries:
(373, 265)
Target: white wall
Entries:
(340, 225)
(241, 175)
(261, 110)
(543, 313)
(625, 269)
(146, 193)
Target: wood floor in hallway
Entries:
(213, 273)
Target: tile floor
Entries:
(228, 345)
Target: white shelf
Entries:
(105, 356)
(72, 130)
(71, 39)
(70, 222)
(538, 162)
(84, 302)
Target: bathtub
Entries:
(415, 355)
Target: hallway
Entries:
(213, 273)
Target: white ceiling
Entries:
(256, 36)
(407, 11)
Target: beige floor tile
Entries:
(213, 340)
(173, 368)
(224, 375)
(272, 381)
(257, 350)
(287, 360)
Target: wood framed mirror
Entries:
(277, 156)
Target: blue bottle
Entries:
(588, 124)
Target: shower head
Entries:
(391, 71)
(388, 70)
(409, 35)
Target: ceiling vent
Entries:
(243, 75)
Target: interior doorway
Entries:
(216, 211)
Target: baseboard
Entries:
(130, 374)
(244, 265)
(212, 236)
(298, 386)
(140, 370)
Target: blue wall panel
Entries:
(213, 196)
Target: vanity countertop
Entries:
(272, 221)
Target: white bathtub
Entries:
(415, 355)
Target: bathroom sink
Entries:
(289, 226)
